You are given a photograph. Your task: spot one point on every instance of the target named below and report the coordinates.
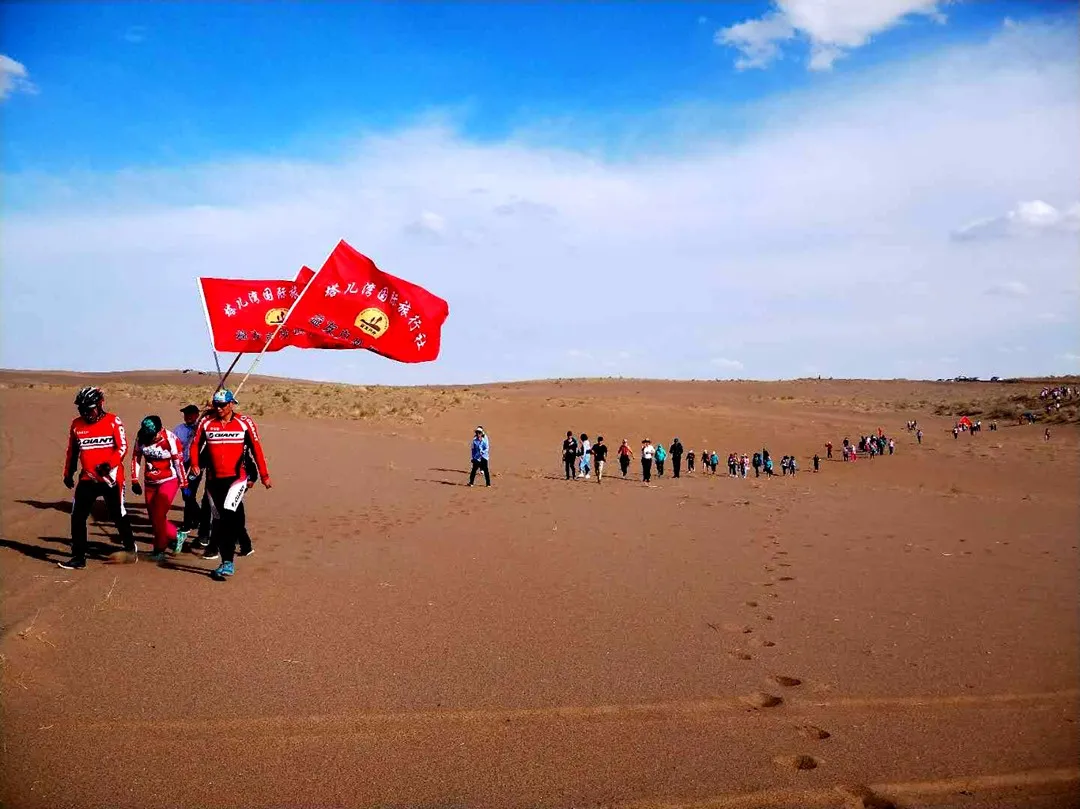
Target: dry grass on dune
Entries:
(310, 399)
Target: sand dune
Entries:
(902, 630)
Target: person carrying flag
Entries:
(96, 446)
(227, 436)
(162, 457)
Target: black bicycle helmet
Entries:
(87, 399)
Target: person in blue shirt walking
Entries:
(185, 431)
(480, 454)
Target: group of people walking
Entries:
(218, 444)
(581, 458)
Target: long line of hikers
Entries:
(582, 458)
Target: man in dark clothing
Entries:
(569, 454)
(676, 453)
(599, 453)
(756, 463)
(817, 462)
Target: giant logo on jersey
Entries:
(95, 441)
(224, 436)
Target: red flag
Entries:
(242, 314)
(354, 304)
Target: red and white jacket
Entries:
(226, 443)
(164, 460)
(89, 445)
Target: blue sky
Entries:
(640, 189)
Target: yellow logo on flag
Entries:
(275, 317)
(373, 322)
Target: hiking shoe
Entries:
(222, 570)
(211, 556)
(248, 552)
(200, 542)
(74, 563)
(157, 556)
(178, 543)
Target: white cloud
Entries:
(1027, 219)
(1009, 289)
(14, 78)
(832, 28)
(757, 40)
(527, 208)
(727, 364)
(430, 227)
(803, 242)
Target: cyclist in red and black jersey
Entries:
(225, 437)
(96, 447)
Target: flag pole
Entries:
(281, 325)
(229, 370)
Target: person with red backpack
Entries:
(96, 447)
(162, 456)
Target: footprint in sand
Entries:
(857, 796)
(784, 680)
(768, 617)
(738, 628)
(783, 564)
(761, 642)
(797, 762)
(812, 732)
(750, 603)
(786, 578)
(737, 655)
(760, 699)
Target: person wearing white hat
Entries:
(481, 452)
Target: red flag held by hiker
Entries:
(351, 303)
(242, 313)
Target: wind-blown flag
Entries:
(242, 314)
(353, 304)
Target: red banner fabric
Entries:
(352, 303)
(243, 314)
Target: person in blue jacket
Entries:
(480, 453)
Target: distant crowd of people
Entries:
(583, 459)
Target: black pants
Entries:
(676, 464)
(624, 464)
(568, 462)
(86, 492)
(230, 527)
(757, 471)
(646, 469)
(206, 527)
(192, 512)
(659, 468)
(689, 464)
(482, 464)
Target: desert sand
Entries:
(900, 630)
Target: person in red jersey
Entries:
(226, 437)
(96, 448)
(162, 457)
